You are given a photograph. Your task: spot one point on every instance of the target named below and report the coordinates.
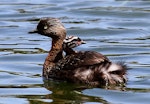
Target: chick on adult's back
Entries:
(87, 67)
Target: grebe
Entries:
(71, 42)
(87, 67)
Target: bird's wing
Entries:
(80, 59)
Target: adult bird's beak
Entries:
(33, 31)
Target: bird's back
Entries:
(89, 67)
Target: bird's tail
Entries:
(114, 73)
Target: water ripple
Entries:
(118, 29)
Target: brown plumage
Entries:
(87, 67)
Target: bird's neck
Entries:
(69, 51)
(55, 51)
(54, 55)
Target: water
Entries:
(118, 29)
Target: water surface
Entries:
(119, 29)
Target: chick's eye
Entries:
(45, 27)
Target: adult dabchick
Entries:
(87, 67)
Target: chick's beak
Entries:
(83, 42)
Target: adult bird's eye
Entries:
(45, 27)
